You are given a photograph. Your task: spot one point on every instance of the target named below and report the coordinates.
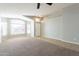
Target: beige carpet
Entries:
(33, 47)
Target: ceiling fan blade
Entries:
(38, 5)
(49, 3)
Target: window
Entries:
(0, 30)
(17, 27)
(3, 27)
(28, 28)
(11, 27)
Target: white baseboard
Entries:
(64, 40)
(69, 42)
(63, 43)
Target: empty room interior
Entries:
(39, 29)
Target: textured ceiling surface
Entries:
(29, 9)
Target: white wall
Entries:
(71, 24)
(53, 27)
(64, 25)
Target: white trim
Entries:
(69, 42)
(64, 40)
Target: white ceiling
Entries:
(29, 9)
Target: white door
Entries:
(37, 29)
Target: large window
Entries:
(4, 27)
(28, 28)
(11, 27)
(0, 30)
(17, 27)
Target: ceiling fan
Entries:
(38, 5)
